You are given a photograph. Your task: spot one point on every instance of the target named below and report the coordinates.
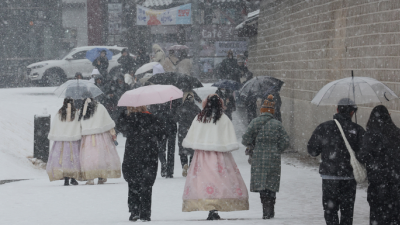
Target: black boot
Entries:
(134, 217)
(213, 215)
(74, 182)
(66, 181)
(163, 170)
(268, 204)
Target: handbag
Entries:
(359, 171)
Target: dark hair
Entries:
(124, 50)
(380, 120)
(103, 51)
(346, 106)
(91, 108)
(63, 109)
(77, 74)
(213, 108)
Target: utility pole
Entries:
(196, 34)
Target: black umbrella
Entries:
(179, 80)
(228, 84)
(258, 86)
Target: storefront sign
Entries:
(222, 47)
(214, 32)
(114, 17)
(173, 16)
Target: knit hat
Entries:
(269, 105)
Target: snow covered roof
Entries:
(153, 3)
(251, 18)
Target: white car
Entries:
(55, 72)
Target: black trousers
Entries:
(186, 158)
(167, 153)
(267, 193)
(383, 199)
(338, 194)
(139, 200)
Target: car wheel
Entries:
(54, 77)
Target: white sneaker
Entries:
(102, 180)
(90, 182)
(185, 170)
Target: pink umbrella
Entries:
(148, 95)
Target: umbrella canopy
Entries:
(149, 95)
(179, 80)
(146, 77)
(94, 53)
(228, 84)
(77, 89)
(146, 67)
(258, 86)
(361, 90)
(178, 47)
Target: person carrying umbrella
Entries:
(338, 180)
(159, 55)
(101, 63)
(184, 65)
(127, 62)
(185, 114)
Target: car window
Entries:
(115, 51)
(79, 55)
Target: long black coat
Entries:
(381, 155)
(231, 105)
(103, 65)
(229, 69)
(328, 141)
(186, 113)
(141, 59)
(143, 132)
(127, 63)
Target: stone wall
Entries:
(308, 43)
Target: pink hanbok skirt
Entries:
(64, 160)
(99, 157)
(214, 183)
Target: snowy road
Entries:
(37, 201)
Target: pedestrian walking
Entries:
(127, 62)
(338, 183)
(268, 139)
(78, 76)
(99, 157)
(170, 62)
(184, 65)
(381, 155)
(228, 68)
(101, 63)
(141, 58)
(185, 114)
(229, 100)
(65, 131)
(159, 55)
(143, 133)
(213, 182)
(165, 113)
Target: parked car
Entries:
(55, 72)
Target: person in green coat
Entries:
(268, 139)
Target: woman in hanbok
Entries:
(65, 131)
(99, 157)
(213, 182)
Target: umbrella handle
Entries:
(170, 103)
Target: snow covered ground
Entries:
(38, 201)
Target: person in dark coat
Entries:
(141, 58)
(185, 115)
(165, 112)
(229, 101)
(338, 183)
(101, 63)
(127, 62)
(143, 133)
(381, 155)
(229, 68)
(115, 90)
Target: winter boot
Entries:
(74, 182)
(90, 182)
(134, 217)
(163, 170)
(66, 181)
(101, 180)
(213, 215)
(185, 170)
(268, 204)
